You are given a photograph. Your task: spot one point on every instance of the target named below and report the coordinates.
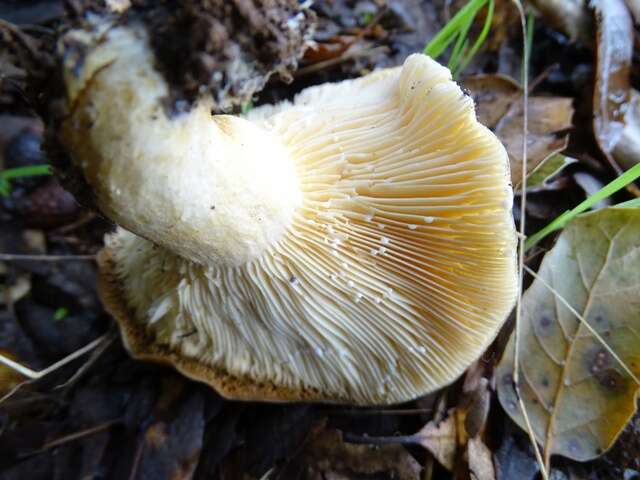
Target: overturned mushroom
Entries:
(355, 245)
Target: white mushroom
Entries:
(353, 246)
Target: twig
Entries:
(348, 54)
(11, 257)
(36, 375)
(406, 411)
(521, 239)
(95, 355)
(588, 326)
(75, 436)
(25, 40)
(366, 440)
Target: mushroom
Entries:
(355, 245)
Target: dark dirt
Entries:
(106, 416)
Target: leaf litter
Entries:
(578, 396)
(131, 420)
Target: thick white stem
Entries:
(213, 189)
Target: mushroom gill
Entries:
(388, 263)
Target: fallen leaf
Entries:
(612, 93)
(570, 16)
(328, 456)
(499, 106)
(15, 345)
(9, 378)
(440, 439)
(577, 396)
(623, 459)
(634, 7)
(170, 446)
(542, 178)
(493, 96)
(10, 294)
(477, 411)
(549, 117)
(627, 150)
(480, 464)
(591, 184)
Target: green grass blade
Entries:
(461, 44)
(618, 184)
(527, 54)
(480, 40)
(447, 34)
(60, 313)
(30, 171)
(635, 203)
(20, 172)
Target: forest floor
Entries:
(105, 415)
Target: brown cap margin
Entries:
(142, 346)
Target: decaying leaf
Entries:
(570, 16)
(591, 184)
(16, 290)
(577, 396)
(627, 150)
(328, 456)
(170, 445)
(634, 8)
(440, 439)
(477, 410)
(15, 345)
(480, 464)
(9, 378)
(512, 460)
(612, 100)
(499, 106)
(542, 177)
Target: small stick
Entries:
(75, 436)
(407, 411)
(588, 326)
(36, 375)
(11, 257)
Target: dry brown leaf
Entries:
(440, 439)
(493, 95)
(548, 172)
(578, 397)
(477, 412)
(570, 16)
(499, 107)
(627, 150)
(328, 456)
(9, 378)
(612, 100)
(480, 463)
(634, 7)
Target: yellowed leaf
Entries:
(577, 396)
(499, 106)
(328, 456)
(440, 439)
(480, 463)
(9, 378)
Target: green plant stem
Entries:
(20, 172)
(527, 54)
(480, 40)
(461, 44)
(617, 184)
(444, 37)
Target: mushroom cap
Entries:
(395, 274)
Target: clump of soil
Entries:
(230, 48)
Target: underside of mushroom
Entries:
(355, 245)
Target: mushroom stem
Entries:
(213, 189)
